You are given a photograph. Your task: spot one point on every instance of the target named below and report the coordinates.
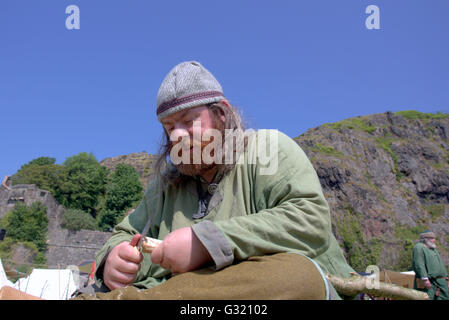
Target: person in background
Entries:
(430, 271)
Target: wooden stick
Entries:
(358, 284)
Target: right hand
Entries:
(428, 284)
(122, 264)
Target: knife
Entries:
(144, 232)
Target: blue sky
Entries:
(289, 65)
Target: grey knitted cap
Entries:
(187, 85)
(427, 234)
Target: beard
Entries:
(191, 168)
(194, 169)
(430, 244)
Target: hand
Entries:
(181, 251)
(428, 284)
(122, 264)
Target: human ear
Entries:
(225, 102)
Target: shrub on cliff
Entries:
(27, 223)
(107, 219)
(75, 219)
(413, 115)
(28, 259)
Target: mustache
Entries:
(189, 143)
(430, 244)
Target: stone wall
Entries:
(65, 247)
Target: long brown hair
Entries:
(167, 174)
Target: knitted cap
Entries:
(187, 85)
(427, 234)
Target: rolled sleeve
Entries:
(215, 242)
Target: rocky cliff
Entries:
(386, 178)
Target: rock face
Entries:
(64, 247)
(386, 178)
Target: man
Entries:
(430, 271)
(235, 223)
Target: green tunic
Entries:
(251, 214)
(427, 263)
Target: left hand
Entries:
(181, 251)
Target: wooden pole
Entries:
(358, 284)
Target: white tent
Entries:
(49, 284)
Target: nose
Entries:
(179, 133)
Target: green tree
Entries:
(124, 188)
(85, 183)
(42, 172)
(108, 219)
(27, 224)
(42, 161)
(123, 191)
